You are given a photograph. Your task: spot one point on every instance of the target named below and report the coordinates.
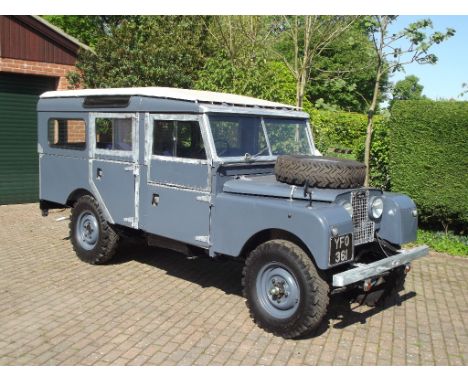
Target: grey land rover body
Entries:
(195, 172)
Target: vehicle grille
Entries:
(363, 227)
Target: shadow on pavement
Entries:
(226, 274)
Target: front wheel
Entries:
(284, 292)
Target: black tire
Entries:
(321, 172)
(105, 238)
(309, 308)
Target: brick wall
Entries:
(39, 69)
(66, 132)
(76, 131)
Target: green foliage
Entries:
(343, 75)
(407, 89)
(429, 158)
(147, 51)
(335, 128)
(393, 51)
(256, 78)
(465, 89)
(446, 243)
(379, 159)
(87, 29)
(239, 54)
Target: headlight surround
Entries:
(376, 209)
(348, 207)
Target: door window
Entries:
(179, 139)
(114, 134)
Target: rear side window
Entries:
(67, 134)
(114, 133)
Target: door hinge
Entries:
(133, 222)
(203, 239)
(204, 198)
(134, 167)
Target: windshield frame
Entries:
(259, 158)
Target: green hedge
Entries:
(337, 129)
(428, 148)
(340, 129)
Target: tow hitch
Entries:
(368, 284)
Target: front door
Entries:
(176, 201)
(113, 165)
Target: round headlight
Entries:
(348, 207)
(376, 208)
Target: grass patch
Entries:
(450, 243)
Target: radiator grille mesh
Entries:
(363, 227)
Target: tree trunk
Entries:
(370, 124)
(300, 89)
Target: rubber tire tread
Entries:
(320, 172)
(314, 290)
(108, 241)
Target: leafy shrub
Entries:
(444, 242)
(429, 158)
(256, 78)
(337, 128)
(345, 130)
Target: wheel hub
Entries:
(87, 230)
(278, 290)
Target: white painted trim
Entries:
(164, 158)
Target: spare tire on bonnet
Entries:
(321, 172)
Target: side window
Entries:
(67, 134)
(114, 133)
(181, 139)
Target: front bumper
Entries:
(367, 271)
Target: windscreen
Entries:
(238, 135)
(287, 136)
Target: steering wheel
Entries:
(219, 143)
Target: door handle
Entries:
(155, 200)
(99, 173)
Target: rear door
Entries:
(113, 165)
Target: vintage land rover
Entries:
(217, 174)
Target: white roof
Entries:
(171, 93)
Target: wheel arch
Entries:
(76, 194)
(272, 234)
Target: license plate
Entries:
(341, 249)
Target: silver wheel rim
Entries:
(277, 290)
(87, 230)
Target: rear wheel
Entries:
(93, 239)
(284, 292)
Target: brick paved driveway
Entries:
(155, 307)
